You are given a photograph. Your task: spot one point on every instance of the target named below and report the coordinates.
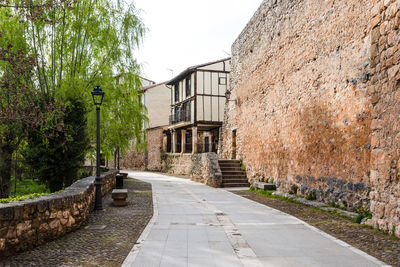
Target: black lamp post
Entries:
(98, 95)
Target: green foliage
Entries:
(311, 196)
(30, 186)
(64, 49)
(362, 213)
(269, 194)
(22, 198)
(293, 189)
(56, 161)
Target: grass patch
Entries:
(29, 186)
(269, 194)
(322, 222)
(26, 189)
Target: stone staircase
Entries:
(232, 174)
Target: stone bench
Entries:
(264, 186)
(119, 196)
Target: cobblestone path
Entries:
(89, 246)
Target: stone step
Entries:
(224, 172)
(241, 176)
(228, 161)
(229, 165)
(234, 181)
(235, 184)
(231, 170)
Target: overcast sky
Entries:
(183, 33)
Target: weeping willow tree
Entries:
(75, 45)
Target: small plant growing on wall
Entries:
(293, 189)
(362, 214)
(311, 196)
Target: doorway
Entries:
(207, 144)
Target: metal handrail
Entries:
(180, 116)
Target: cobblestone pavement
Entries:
(93, 247)
(378, 244)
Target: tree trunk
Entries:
(6, 152)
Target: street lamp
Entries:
(98, 95)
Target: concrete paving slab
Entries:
(196, 225)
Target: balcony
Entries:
(180, 116)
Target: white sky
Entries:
(183, 33)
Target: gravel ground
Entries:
(97, 247)
(380, 245)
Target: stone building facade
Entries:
(314, 103)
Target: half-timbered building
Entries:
(197, 107)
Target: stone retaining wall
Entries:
(202, 167)
(29, 223)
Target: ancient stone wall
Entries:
(154, 138)
(385, 138)
(304, 94)
(29, 223)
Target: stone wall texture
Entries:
(385, 126)
(314, 101)
(201, 167)
(132, 159)
(29, 223)
(154, 138)
(150, 159)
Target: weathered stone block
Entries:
(264, 186)
(119, 196)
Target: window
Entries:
(177, 92)
(188, 86)
(222, 80)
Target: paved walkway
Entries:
(195, 225)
